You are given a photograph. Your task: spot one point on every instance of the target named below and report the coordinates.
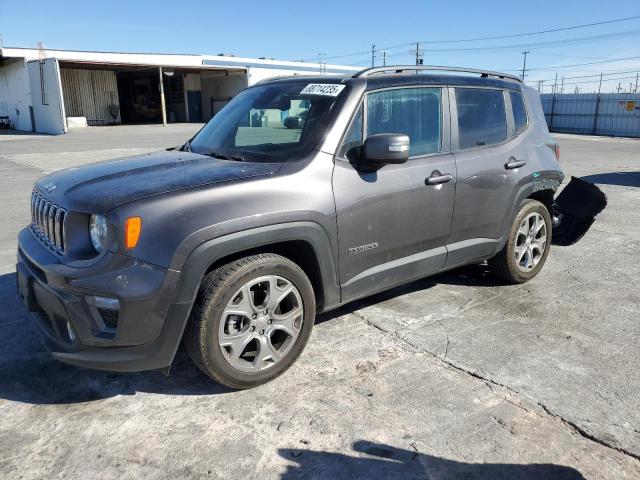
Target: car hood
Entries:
(99, 187)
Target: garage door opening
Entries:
(130, 95)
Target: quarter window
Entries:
(416, 112)
(481, 117)
(519, 112)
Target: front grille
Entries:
(47, 222)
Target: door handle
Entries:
(436, 178)
(514, 163)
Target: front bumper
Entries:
(143, 337)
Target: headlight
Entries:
(98, 232)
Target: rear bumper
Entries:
(143, 335)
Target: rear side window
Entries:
(481, 117)
(416, 112)
(519, 111)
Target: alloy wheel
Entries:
(261, 323)
(530, 242)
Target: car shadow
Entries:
(29, 374)
(382, 461)
(623, 179)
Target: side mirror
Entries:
(385, 148)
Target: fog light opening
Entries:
(107, 303)
(70, 332)
(108, 310)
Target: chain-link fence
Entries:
(610, 114)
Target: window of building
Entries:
(481, 117)
(416, 112)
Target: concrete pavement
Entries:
(454, 376)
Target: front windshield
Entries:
(271, 122)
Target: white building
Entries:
(47, 90)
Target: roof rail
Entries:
(403, 68)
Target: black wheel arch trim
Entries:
(548, 181)
(208, 253)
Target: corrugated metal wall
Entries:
(90, 93)
(606, 114)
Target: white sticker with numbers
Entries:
(325, 89)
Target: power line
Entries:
(536, 33)
(592, 76)
(563, 42)
(558, 67)
(499, 37)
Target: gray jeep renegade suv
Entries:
(301, 195)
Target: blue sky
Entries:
(301, 29)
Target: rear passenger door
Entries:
(491, 165)
(393, 224)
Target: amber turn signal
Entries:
(132, 230)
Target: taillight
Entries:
(556, 149)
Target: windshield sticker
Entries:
(326, 89)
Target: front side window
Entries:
(271, 122)
(416, 112)
(352, 143)
(481, 117)
(519, 111)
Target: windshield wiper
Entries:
(224, 156)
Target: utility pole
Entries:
(555, 84)
(636, 89)
(373, 56)
(541, 86)
(594, 130)
(418, 53)
(322, 62)
(619, 87)
(600, 84)
(562, 85)
(385, 55)
(524, 63)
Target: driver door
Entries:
(393, 224)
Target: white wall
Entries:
(258, 74)
(15, 94)
(48, 111)
(219, 85)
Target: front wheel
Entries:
(251, 320)
(527, 246)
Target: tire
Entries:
(513, 263)
(231, 338)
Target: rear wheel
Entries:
(528, 244)
(251, 320)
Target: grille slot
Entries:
(47, 222)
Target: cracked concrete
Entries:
(454, 376)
